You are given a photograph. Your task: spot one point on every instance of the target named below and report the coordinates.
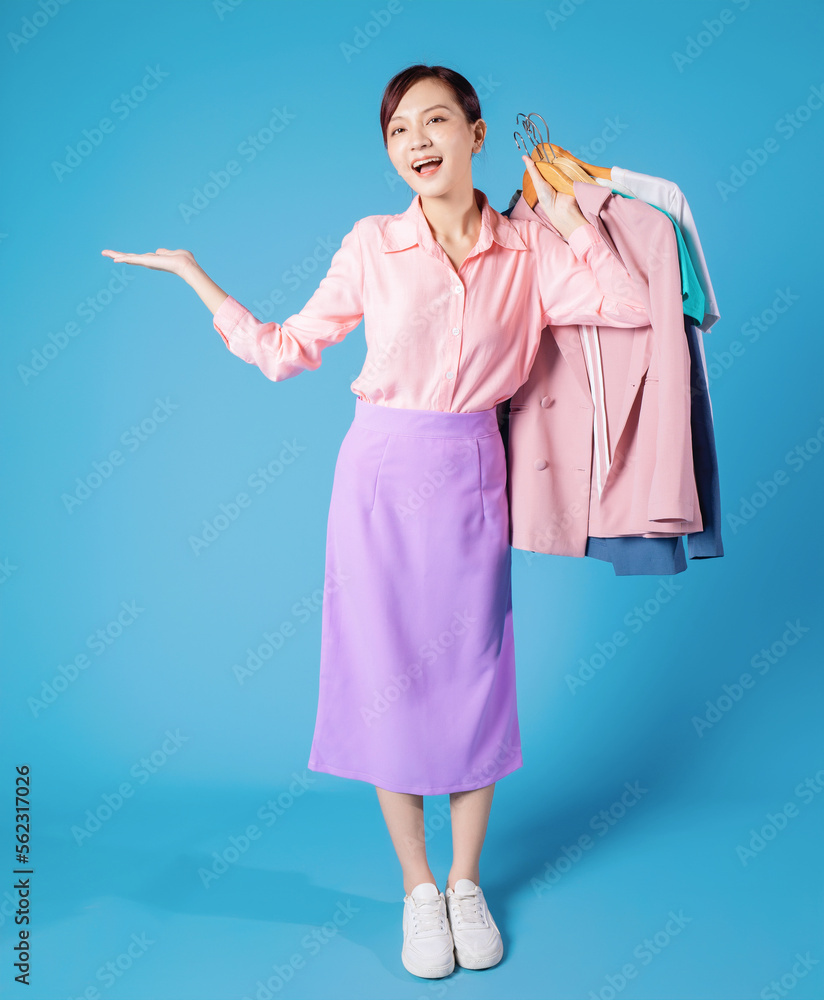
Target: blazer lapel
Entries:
(591, 199)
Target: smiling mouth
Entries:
(429, 166)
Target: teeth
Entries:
(421, 163)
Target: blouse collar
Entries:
(411, 228)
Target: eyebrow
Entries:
(424, 111)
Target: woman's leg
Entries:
(404, 818)
(470, 814)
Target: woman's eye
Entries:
(437, 118)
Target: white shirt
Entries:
(667, 195)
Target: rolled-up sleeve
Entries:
(581, 281)
(283, 350)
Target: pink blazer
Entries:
(649, 488)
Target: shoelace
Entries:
(426, 914)
(469, 908)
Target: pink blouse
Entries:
(438, 339)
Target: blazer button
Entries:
(546, 401)
(540, 463)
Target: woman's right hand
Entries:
(180, 262)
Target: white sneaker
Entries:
(427, 939)
(478, 943)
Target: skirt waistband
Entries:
(425, 423)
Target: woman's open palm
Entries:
(174, 261)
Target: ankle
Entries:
(458, 873)
(409, 883)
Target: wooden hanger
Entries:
(594, 171)
(556, 177)
(559, 171)
(569, 166)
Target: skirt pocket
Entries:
(492, 476)
(378, 470)
(357, 468)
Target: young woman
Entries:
(417, 672)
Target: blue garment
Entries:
(704, 544)
(635, 555)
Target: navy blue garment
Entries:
(705, 544)
(635, 555)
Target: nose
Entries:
(418, 138)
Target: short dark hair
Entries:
(463, 90)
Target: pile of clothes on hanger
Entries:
(610, 442)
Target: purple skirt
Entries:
(417, 664)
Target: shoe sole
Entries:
(482, 963)
(430, 972)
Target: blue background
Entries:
(143, 336)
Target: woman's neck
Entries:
(453, 218)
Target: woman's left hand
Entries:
(562, 209)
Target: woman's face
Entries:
(429, 123)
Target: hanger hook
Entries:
(535, 136)
(518, 137)
(548, 143)
(523, 120)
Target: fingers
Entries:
(127, 258)
(538, 179)
(120, 253)
(543, 189)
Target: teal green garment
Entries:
(692, 295)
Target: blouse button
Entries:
(546, 401)
(455, 332)
(456, 289)
(450, 374)
(540, 463)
